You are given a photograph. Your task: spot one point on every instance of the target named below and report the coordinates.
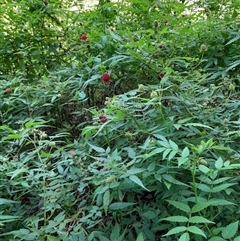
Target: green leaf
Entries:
(237, 238)
(199, 125)
(115, 36)
(176, 230)
(154, 152)
(182, 160)
(200, 206)
(171, 179)
(204, 187)
(12, 137)
(217, 202)
(219, 163)
(115, 232)
(203, 169)
(199, 219)
(32, 123)
(140, 237)
(221, 187)
(18, 171)
(120, 205)
(97, 149)
(233, 40)
(135, 171)
(7, 201)
(196, 230)
(136, 180)
(176, 219)
(185, 152)
(179, 205)
(6, 217)
(173, 145)
(230, 230)
(106, 201)
(184, 237)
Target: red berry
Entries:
(102, 118)
(161, 75)
(84, 37)
(8, 90)
(106, 77)
(160, 46)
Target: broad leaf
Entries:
(176, 230)
(196, 230)
(179, 205)
(229, 231)
(136, 180)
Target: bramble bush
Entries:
(119, 123)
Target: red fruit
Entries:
(161, 75)
(106, 77)
(8, 90)
(102, 118)
(84, 37)
(160, 46)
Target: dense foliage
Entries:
(119, 123)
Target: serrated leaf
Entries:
(204, 187)
(173, 145)
(120, 205)
(176, 230)
(200, 206)
(230, 230)
(7, 201)
(179, 205)
(106, 200)
(237, 238)
(203, 169)
(176, 219)
(171, 179)
(97, 149)
(199, 125)
(185, 152)
(219, 163)
(221, 187)
(199, 219)
(196, 230)
(217, 202)
(11, 137)
(182, 160)
(115, 232)
(135, 171)
(136, 180)
(184, 237)
(155, 151)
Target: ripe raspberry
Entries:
(84, 37)
(102, 118)
(106, 77)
